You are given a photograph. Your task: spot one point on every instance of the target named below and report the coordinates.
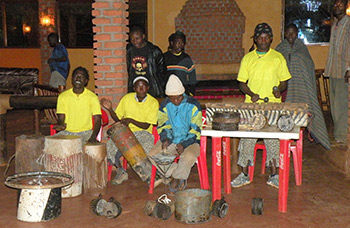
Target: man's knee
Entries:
(156, 149)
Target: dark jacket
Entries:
(156, 69)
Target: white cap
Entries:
(140, 78)
(174, 86)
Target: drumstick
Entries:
(266, 99)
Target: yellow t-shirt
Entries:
(263, 73)
(145, 112)
(78, 109)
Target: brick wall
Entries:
(213, 30)
(110, 35)
(46, 6)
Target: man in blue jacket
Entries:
(179, 127)
(58, 62)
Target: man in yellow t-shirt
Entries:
(138, 110)
(76, 107)
(263, 73)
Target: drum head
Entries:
(38, 180)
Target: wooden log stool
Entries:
(95, 168)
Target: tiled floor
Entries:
(323, 200)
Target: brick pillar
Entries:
(110, 28)
(46, 7)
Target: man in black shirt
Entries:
(145, 59)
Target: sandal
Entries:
(181, 186)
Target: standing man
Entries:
(180, 63)
(179, 128)
(76, 107)
(302, 87)
(145, 59)
(338, 67)
(58, 62)
(137, 110)
(263, 73)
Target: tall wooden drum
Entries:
(95, 168)
(29, 149)
(131, 149)
(63, 153)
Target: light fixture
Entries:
(26, 28)
(45, 19)
(348, 10)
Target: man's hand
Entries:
(255, 98)
(165, 144)
(107, 104)
(276, 92)
(59, 127)
(93, 140)
(179, 148)
(126, 121)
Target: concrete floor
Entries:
(323, 200)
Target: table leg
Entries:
(216, 167)
(203, 162)
(226, 151)
(283, 175)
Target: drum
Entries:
(258, 121)
(63, 153)
(95, 168)
(29, 149)
(131, 149)
(39, 194)
(226, 121)
(193, 206)
(285, 123)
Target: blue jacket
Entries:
(180, 124)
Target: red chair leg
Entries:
(251, 168)
(263, 165)
(52, 131)
(109, 172)
(125, 163)
(153, 177)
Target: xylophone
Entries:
(272, 111)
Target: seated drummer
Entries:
(263, 73)
(138, 110)
(179, 127)
(76, 107)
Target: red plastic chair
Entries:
(297, 151)
(104, 118)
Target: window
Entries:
(75, 22)
(312, 17)
(19, 24)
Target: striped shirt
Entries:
(182, 66)
(339, 49)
